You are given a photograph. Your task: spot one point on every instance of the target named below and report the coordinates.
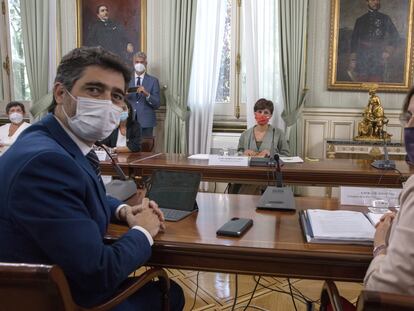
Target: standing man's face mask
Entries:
(95, 119)
(139, 67)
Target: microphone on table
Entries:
(279, 197)
(279, 176)
(122, 188)
(385, 164)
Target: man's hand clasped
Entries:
(146, 215)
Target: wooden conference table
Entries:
(273, 246)
(328, 172)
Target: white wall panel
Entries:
(316, 132)
(343, 129)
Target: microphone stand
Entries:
(279, 176)
(122, 188)
(117, 168)
(385, 164)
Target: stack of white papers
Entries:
(324, 226)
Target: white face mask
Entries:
(16, 117)
(95, 119)
(139, 67)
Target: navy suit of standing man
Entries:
(147, 98)
(53, 206)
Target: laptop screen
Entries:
(174, 190)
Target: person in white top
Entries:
(10, 131)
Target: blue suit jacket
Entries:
(144, 110)
(54, 210)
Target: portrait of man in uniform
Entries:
(372, 42)
(117, 26)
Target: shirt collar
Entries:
(141, 76)
(82, 145)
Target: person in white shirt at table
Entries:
(10, 131)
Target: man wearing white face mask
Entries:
(9, 132)
(147, 97)
(64, 212)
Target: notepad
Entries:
(338, 227)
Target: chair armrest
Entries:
(133, 284)
(372, 300)
(330, 296)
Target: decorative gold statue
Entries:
(372, 126)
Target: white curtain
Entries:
(205, 72)
(261, 57)
(53, 43)
(35, 30)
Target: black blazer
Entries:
(133, 137)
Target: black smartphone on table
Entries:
(235, 227)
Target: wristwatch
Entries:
(378, 249)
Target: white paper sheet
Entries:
(295, 159)
(199, 156)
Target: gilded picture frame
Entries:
(121, 29)
(371, 42)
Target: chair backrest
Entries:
(34, 287)
(377, 301)
(147, 144)
(367, 300)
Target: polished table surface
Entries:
(329, 172)
(124, 160)
(273, 246)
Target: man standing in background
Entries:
(147, 97)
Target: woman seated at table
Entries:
(392, 268)
(10, 131)
(127, 137)
(257, 140)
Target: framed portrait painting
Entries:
(371, 42)
(118, 26)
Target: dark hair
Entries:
(407, 99)
(14, 104)
(262, 104)
(73, 65)
(99, 6)
(130, 113)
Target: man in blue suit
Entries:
(147, 97)
(53, 206)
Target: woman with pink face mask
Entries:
(257, 141)
(10, 131)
